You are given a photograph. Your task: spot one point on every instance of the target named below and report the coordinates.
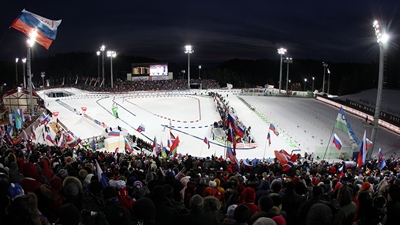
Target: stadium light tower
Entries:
(188, 50)
(16, 70)
(382, 40)
(329, 80)
(98, 64)
(325, 65)
(288, 61)
(30, 42)
(23, 71)
(102, 49)
(305, 84)
(199, 72)
(312, 87)
(111, 54)
(281, 51)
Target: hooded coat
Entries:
(248, 198)
(31, 180)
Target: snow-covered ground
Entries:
(304, 124)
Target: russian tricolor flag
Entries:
(337, 142)
(141, 128)
(100, 175)
(114, 133)
(43, 30)
(272, 127)
(363, 151)
(207, 142)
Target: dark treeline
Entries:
(345, 78)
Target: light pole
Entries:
(281, 51)
(23, 71)
(111, 54)
(98, 64)
(199, 72)
(102, 48)
(16, 70)
(325, 65)
(312, 87)
(305, 84)
(290, 83)
(188, 50)
(329, 79)
(288, 61)
(43, 74)
(30, 42)
(382, 40)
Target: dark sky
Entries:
(218, 30)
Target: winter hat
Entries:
(169, 190)
(365, 186)
(290, 186)
(371, 180)
(62, 173)
(83, 173)
(138, 185)
(212, 184)
(170, 173)
(72, 187)
(15, 190)
(109, 192)
(144, 209)
(265, 203)
(230, 211)
(158, 193)
(95, 187)
(212, 203)
(196, 201)
(264, 221)
(69, 214)
(241, 213)
(56, 182)
(88, 179)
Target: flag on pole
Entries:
(141, 128)
(337, 142)
(40, 29)
(100, 176)
(153, 147)
(33, 135)
(369, 144)
(380, 155)
(269, 139)
(174, 146)
(128, 146)
(272, 127)
(363, 151)
(171, 139)
(206, 142)
(162, 150)
(232, 157)
(48, 137)
(45, 120)
(382, 164)
(343, 124)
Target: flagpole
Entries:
(265, 148)
(330, 138)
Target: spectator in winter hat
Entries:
(15, 190)
(31, 180)
(264, 221)
(197, 213)
(144, 211)
(115, 182)
(14, 174)
(114, 212)
(50, 199)
(62, 174)
(47, 172)
(69, 214)
(249, 197)
(72, 188)
(242, 214)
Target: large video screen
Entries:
(159, 70)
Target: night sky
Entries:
(218, 30)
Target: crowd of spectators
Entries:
(146, 85)
(51, 185)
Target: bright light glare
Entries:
(24, 60)
(31, 42)
(188, 49)
(102, 48)
(384, 38)
(281, 51)
(98, 53)
(111, 54)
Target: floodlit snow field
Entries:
(304, 124)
